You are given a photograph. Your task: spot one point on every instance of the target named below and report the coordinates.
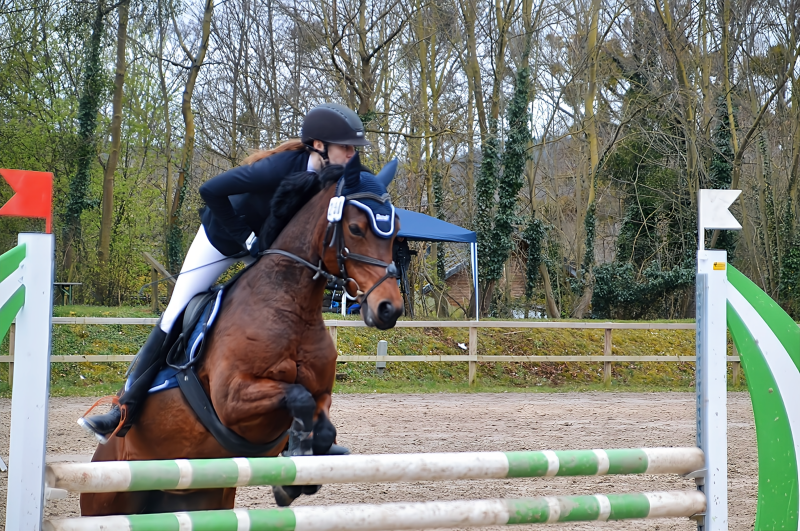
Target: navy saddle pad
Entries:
(165, 379)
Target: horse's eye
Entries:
(355, 230)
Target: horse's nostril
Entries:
(387, 312)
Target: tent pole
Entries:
(473, 247)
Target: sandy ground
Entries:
(483, 422)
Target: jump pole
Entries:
(391, 516)
(127, 476)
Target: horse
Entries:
(269, 359)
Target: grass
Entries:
(96, 379)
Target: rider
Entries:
(329, 135)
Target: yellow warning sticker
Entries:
(719, 266)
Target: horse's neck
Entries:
(285, 284)
(303, 235)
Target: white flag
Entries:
(713, 210)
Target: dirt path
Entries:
(482, 422)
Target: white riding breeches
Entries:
(201, 268)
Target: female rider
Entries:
(237, 204)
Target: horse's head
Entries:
(362, 228)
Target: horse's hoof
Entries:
(311, 489)
(285, 495)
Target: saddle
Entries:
(187, 346)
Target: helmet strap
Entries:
(321, 152)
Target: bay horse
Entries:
(269, 358)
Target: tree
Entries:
(174, 232)
(104, 250)
(91, 99)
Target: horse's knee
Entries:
(324, 435)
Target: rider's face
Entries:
(340, 154)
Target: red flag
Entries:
(33, 195)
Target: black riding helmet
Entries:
(332, 123)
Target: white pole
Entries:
(711, 377)
(473, 247)
(32, 386)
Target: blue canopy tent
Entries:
(421, 227)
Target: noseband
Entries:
(334, 236)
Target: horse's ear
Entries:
(388, 172)
(352, 172)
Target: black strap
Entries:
(318, 269)
(232, 442)
(368, 195)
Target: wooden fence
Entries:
(472, 357)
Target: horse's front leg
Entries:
(324, 434)
(244, 404)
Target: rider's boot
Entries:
(101, 426)
(141, 373)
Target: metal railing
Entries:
(471, 357)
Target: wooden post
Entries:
(161, 271)
(737, 368)
(154, 289)
(332, 331)
(607, 364)
(473, 354)
(12, 332)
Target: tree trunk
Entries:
(705, 80)
(88, 107)
(504, 15)
(104, 252)
(590, 125)
(794, 175)
(174, 234)
(167, 136)
(469, 12)
(552, 308)
(687, 92)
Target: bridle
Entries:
(334, 236)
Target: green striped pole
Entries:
(390, 516)
(120, 476)
(12, 289)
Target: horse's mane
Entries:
(294, 191)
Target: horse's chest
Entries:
(284, 360)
